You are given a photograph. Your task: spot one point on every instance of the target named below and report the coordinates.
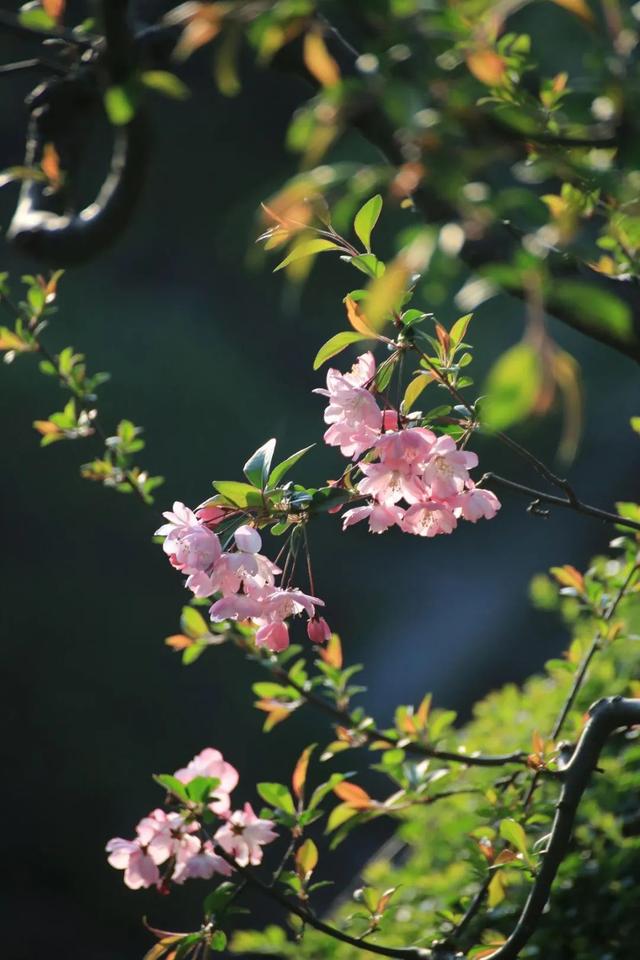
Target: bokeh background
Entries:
(212, 354)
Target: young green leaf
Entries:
(276, 795)
(335, 346)
(282, 468)
(366, 219)
(307, 248)
(257, 467)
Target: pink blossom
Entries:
(281, 604)
(235, 607)
(182, 521)
(476, 502)
(273, 636)
(201, 584)
(318, 630)
(388, 484)
(429, 519)
(380, 516)
(390, 420)
(404, 448)
(247, 539)
(447, 470)
(211, 763)
(243, 836)
(202, 865)
(211, 515)
(354, 417)
(139, 867)
(164, 835)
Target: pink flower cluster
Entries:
(170, 840)
(417, 481)
(242, 577)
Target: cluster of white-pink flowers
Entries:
(412, 478)
(167, 846)
(243, 578)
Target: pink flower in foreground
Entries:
(236, 607)
(281, 604)
(404, 448)
(243, 836)
(191, 546)
(181, 521)
(211, 763)
(380, 516)
(318, 630)
(477, 503)
(139, 868)
(447, 470)
(354, 417)
(164, 835)
(388, 484)
(202, 865)
(273, 636)
(429, 519)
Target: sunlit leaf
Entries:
(318, 61)
(366, 219)
(306, 858)
(336, 345)
(306, 248)
(258, 466)
(167, 83)
(299, 777)
(578, 7)
(353, 795)
(487, 66)
(512, 387)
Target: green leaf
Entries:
(119, 104)
(335, 346)
(512, 387)
(237, 493)
(35, 18)
(340, 815)
(307, 248)
(512, 832)
(172, 785)
(366, 219)
(459, 329)
(193, 623)
(257, 467)
(217, 900)
(276, 795)
(368, 264)
(167, 83)
(218, 940)
(284, 466)
(200, 788)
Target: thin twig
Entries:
(344, 718)
(578, 506)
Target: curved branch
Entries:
(605, 716)
(66, 238)
(567, 504)
(344, 718)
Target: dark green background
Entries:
(213, 356)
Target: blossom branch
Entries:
(372, 733)
(402, 953)
(578, 506)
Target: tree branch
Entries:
(58, 108)
(371, 734)
(567, 504)
(605, 716)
